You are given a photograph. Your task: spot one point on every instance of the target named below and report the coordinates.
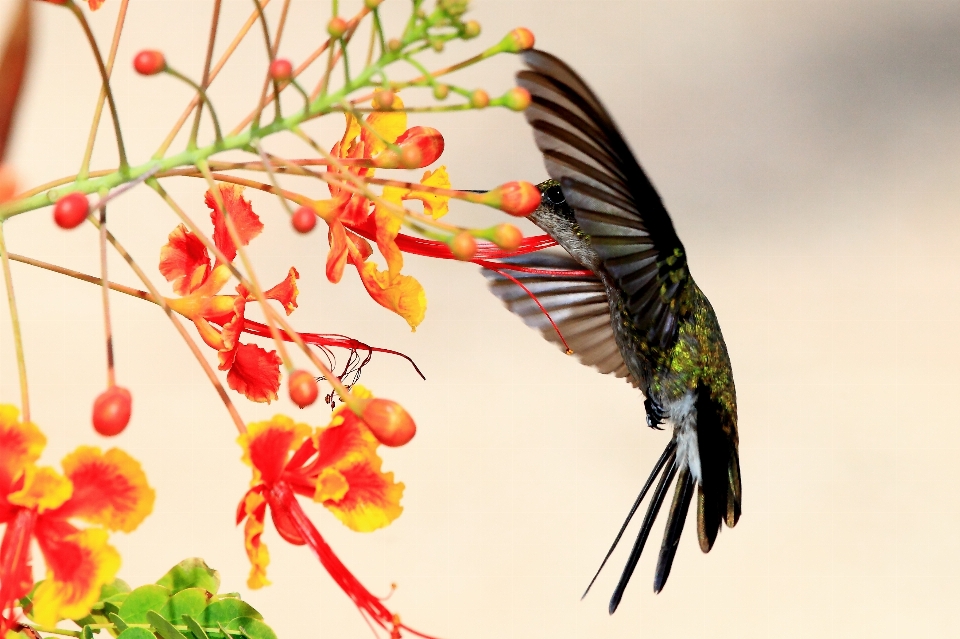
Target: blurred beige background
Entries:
(809, 153)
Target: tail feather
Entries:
(671, 536)
(666, 456)
(652, 511)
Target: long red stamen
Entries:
(318, 339)
(282, 498)
(536, 301)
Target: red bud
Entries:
(428, 141)
(71, 210)
(518, 40)
(281, 69)
(519, 199)
(389, 422)
(149, 62)
(463, 246)
(111, 411)
(304, 219)
(507, 236)
(303, 387)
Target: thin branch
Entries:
(15, 325)
(205, 82)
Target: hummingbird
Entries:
(621, 298)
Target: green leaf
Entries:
(251, 628)
(142, 600)
(191, 601)
(112, 590)
(163, 627)
(194, 627)
(117, 621)
(87, 632)
(191, 573)
(136, 633)
(226, 610)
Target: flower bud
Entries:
(303, 387)
(507, 236)
(426, 140)
(149, 62)
(441, 91)
(517, 99)
(383, 100)
(471, 30)
(304, 219)
(372, 4)
(519, 199)
(71, 210)
(479, 99)
(389, 159)
(437, 45)
(336, 27)
(394, 44)
(281, 70)
(388, 421)
(518, 40)
(463, 246)
(111, 411)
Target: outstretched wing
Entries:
(577, 305)
(614, 202)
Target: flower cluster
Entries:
(382, 139)
(106, 490)
(186, 262)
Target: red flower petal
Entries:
(109, 489)
(184, 261)
(255, 373)
(247, 222)
(286, 291)
(337, 257)
(16, 574)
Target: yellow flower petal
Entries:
(109, 488)
(373, 499)
(401, 294)
(433, 204)
(388, 125)
(255, 507)
(73, 586)
(43, 489)
(20, 445)
(330, 485)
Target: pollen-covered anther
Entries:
(389, 422)
(520, 39)
(111, 411)
(463, 246)
(517, 99)
(507, 236)
(303, 388)
(149, 62)
(519, 199)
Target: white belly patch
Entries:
(683, 416)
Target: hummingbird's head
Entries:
(554, 215)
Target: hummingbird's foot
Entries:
(655, 413)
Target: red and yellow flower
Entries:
(364, 146)
(337, 466)
(219, 319)
(105, 490)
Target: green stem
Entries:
(15, 324)
(192, 144)
(105, 78)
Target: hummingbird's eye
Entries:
(555, 195)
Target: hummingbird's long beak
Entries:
(473, 191)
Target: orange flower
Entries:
(103, 489)
(337, 466)
(363, 147)
(185, 262)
